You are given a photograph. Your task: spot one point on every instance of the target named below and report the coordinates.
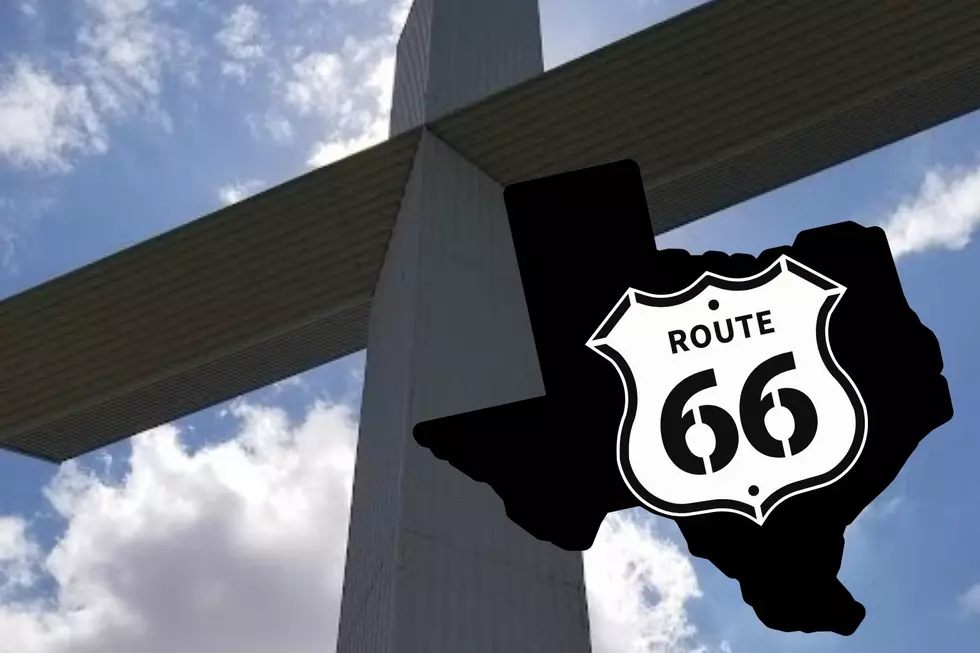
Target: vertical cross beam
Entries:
(433, 564)
(455, 52)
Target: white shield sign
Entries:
(734, 399)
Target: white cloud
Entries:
(639, 586)
(863, 535)
(43, 122)
(123, 50)
(235, 69)
(278, 128)
(295, 381)
(397, 15)
(29, 7)
(239, 190)
(891, 505)
(242, 29)
(17, 219)
(334, 149)
(244, 40)
(349, 89)
(18, 556)
(875, 513)
(369, 125)
(317, 84)
(942, 215)
(185, 553)
(970, 601)
(240, 546)
(272, 126)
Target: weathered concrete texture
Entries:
(434, 565)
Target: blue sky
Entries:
(121, 119)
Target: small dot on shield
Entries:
(713, 304)
(753, 490)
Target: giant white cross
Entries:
(404, 248)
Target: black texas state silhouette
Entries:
(582, 238)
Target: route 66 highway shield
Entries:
(734, 400)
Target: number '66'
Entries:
(753, 407)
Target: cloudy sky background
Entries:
(121, 119)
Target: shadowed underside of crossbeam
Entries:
(725, 102)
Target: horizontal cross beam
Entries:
(718, 105)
